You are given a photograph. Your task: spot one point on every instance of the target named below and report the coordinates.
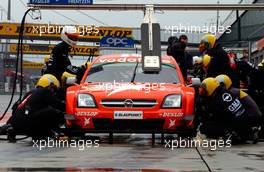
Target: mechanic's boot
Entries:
(228, 135)
(233, 137)
(11, 135)
(255, 134)
(3, 129)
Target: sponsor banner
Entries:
(110, 41)
(32, 65)
(62, 2)
(52, 32)
(46, 49)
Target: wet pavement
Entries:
(130, 152)
(128, 155)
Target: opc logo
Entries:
(116, 41)
(110, 41)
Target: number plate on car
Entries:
(128, 115)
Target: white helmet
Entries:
(197, 60)
(69, 34)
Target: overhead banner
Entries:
(62, 2)
(11, 64)
(32, 65)
(46, 49)
(52, 32)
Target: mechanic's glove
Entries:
(80, 73)
(86, 65)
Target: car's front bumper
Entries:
(163, 120)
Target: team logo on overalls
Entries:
(227, 97)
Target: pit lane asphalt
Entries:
(128, 153)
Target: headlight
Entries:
(86, 100)
(172, 101)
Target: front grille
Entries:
(110, 124)
(123, 103)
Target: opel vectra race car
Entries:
(115, 95)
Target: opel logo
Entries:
(128, 103)
(227, 97)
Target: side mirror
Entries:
(196, 82)
(71, 81)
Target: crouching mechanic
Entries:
(40, 112)
(227, 115)
(250, 105)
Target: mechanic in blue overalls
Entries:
(226, 115)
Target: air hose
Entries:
(19, 55)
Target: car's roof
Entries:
(128, 58)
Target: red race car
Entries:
(116, 95)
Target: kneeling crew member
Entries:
(228, 113)
(41, 111)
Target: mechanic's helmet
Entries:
(69, 34)
(208, 86)
(206, 61)
(207, 42)
(64, 76)
(225, 80)
(46, 59)
(197, 60)
(48, 81)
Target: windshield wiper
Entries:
(134, 73)
(169, 65)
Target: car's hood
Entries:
(130, 90)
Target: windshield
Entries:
(123, 72)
